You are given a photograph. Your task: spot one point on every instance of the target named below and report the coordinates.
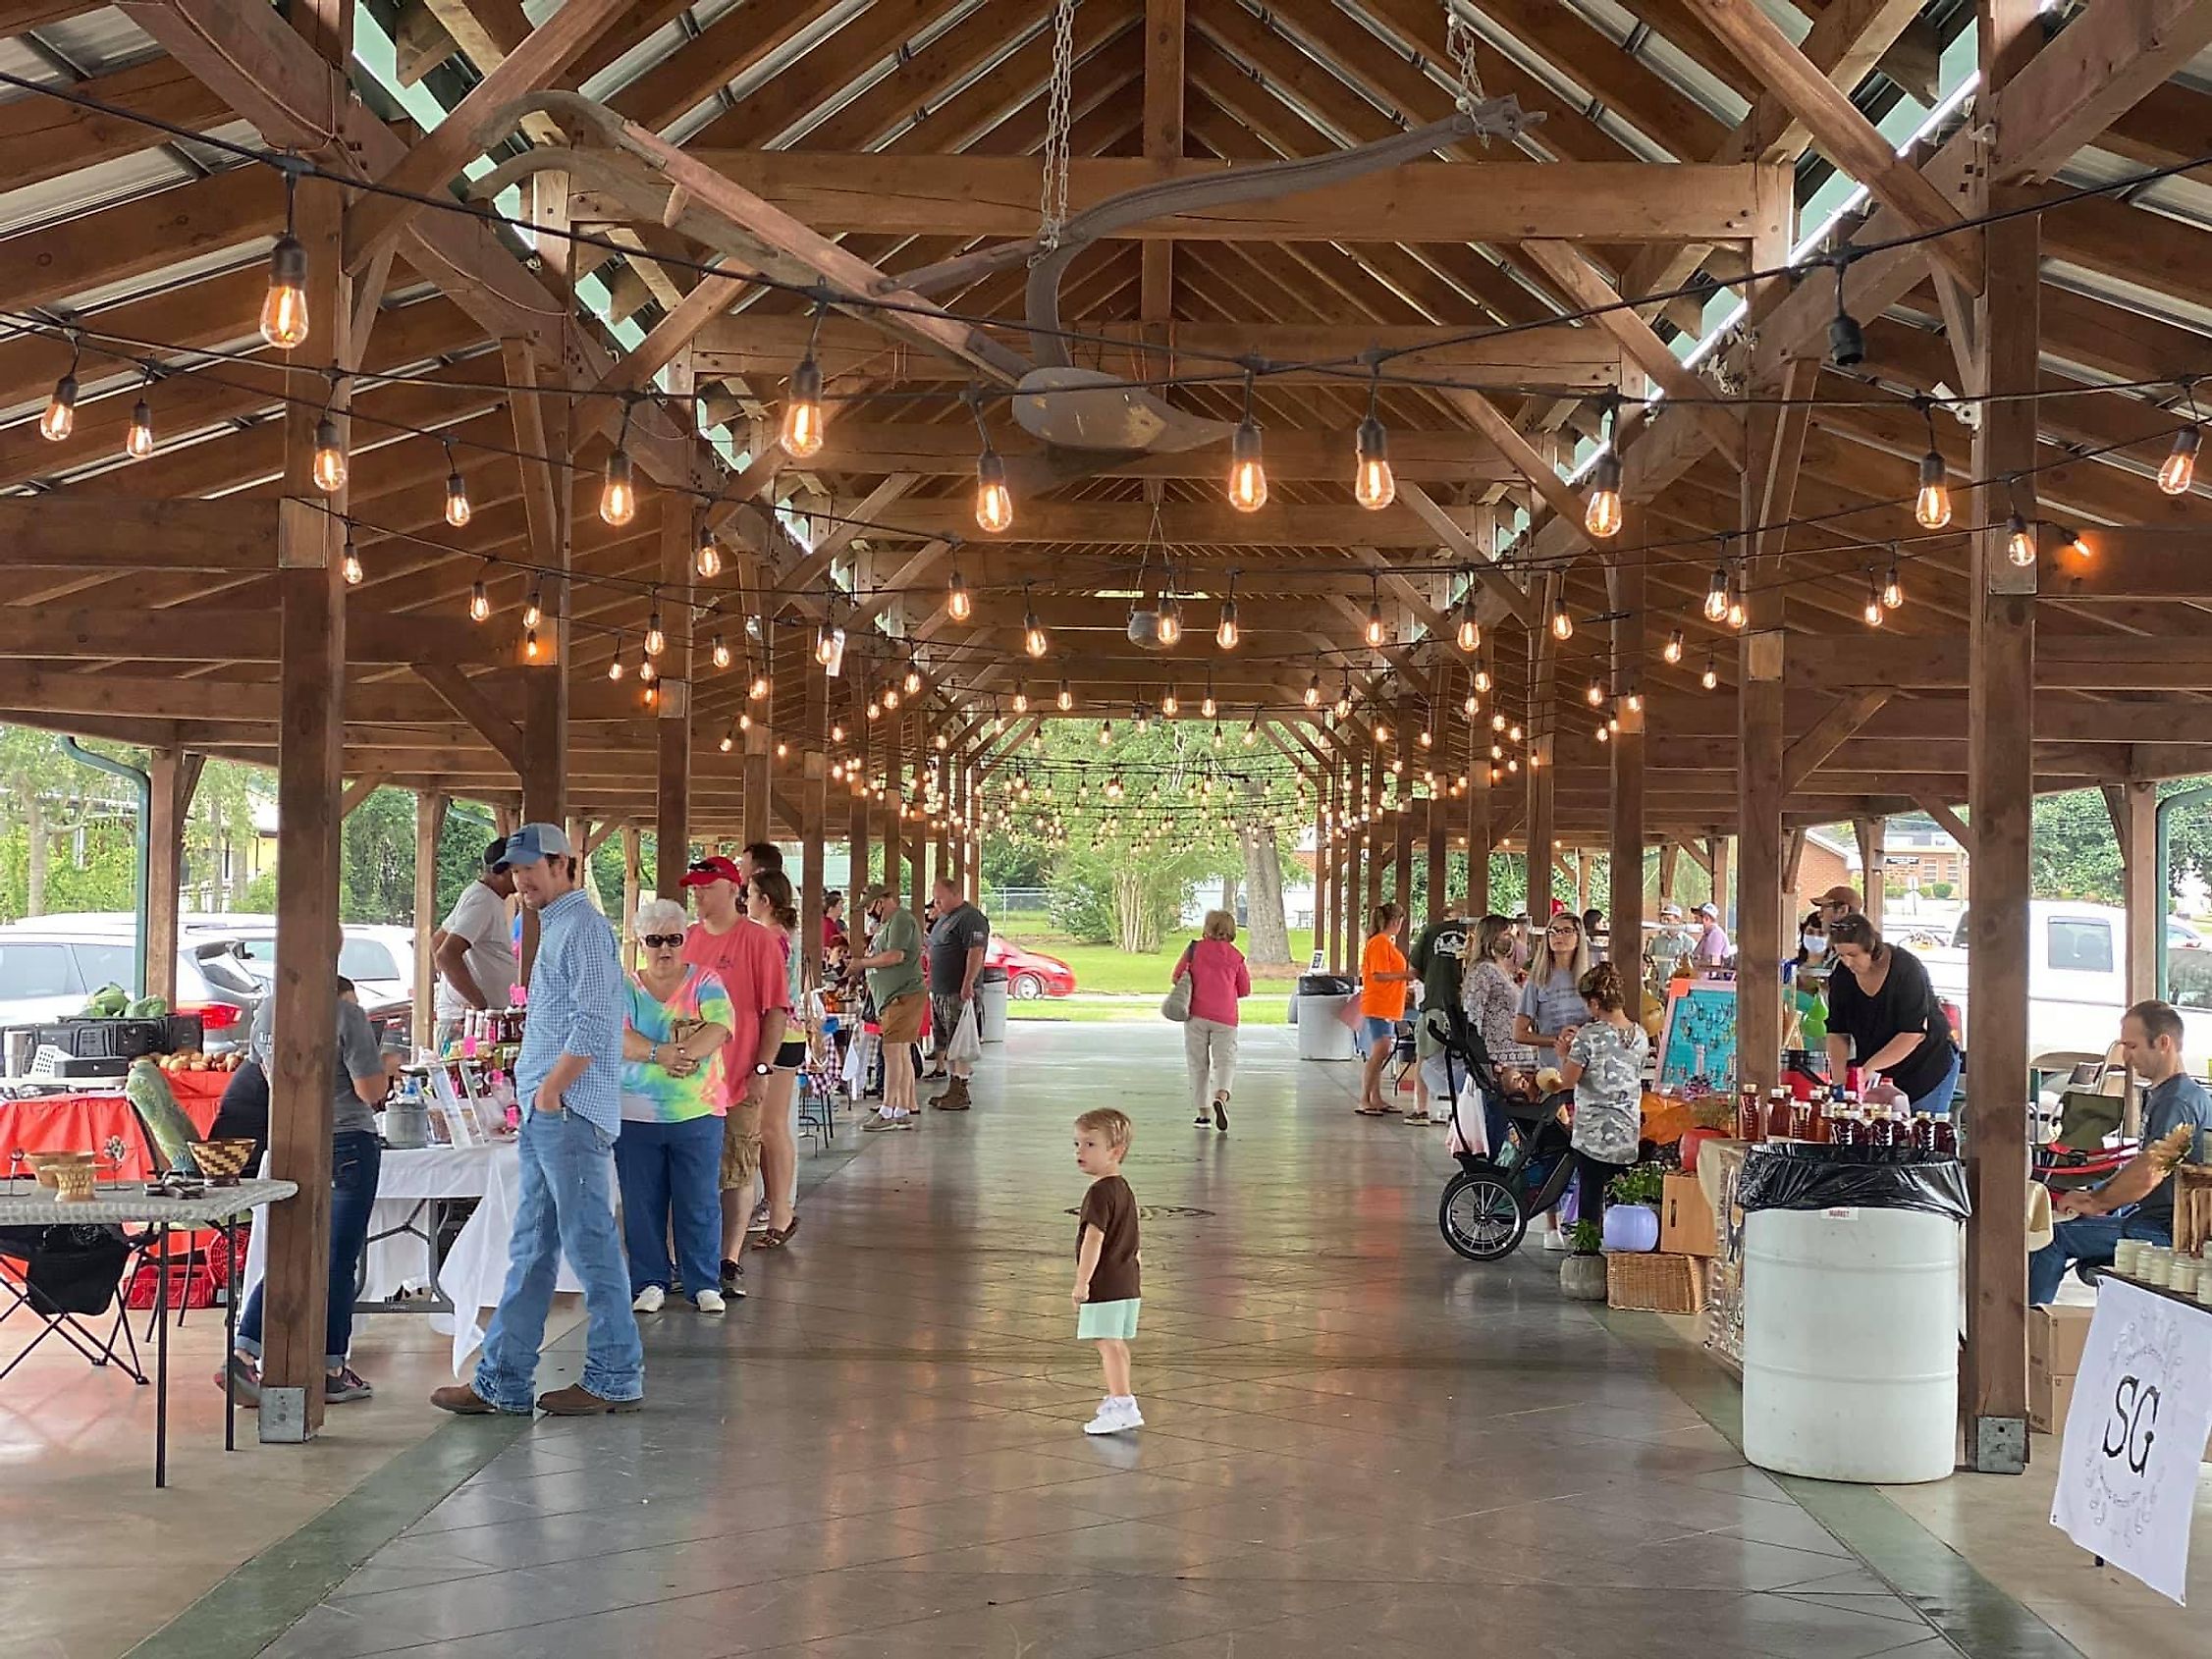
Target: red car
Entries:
(1029, 974)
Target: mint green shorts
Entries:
(1108, 1320)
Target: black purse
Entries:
(70, 1268)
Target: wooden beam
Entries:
(360, 789)
(57, 262)
(42, 138)
(1453, 535)
(175, 775)
(475, 705)
(193, 635)
(1126, 523)
(1426, 202)
(1164, 80)
(429, 824)
(1808, 753)
(672, 795)
(69, 531)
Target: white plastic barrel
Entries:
(1321, 1035)
(1850, 1344)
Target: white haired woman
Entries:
(667, 1158)
(1218, 979)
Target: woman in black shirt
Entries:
(1883, 1008)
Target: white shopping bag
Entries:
(966, 1047)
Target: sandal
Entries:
(777, 1238)
(1374, 1111)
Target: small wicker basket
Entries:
(1651, 1282)
(47, 1166)
(75, 1183)
(222, 1162)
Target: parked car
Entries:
(49, 965)
(1030, 973)
(2078, 981)
(378, 959)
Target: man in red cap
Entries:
(749, 961)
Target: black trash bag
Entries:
(74, 1268)
(1808, 1175)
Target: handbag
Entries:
(1176, 1004)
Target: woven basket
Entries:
(1651, 1282)
(47, 1165)
(222, 1160)
(75, 1183)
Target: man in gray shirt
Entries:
(957, 940)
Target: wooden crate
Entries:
(2193, 1207)
(1654, 1282)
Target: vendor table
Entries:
(101, 1123)
(128, 1203)
(412, 1189)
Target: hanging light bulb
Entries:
(2076, 545)
(1562, 624)
(652, 693)
(758, 690)
(1483, 679)
(875, 710)
(1034, 639)
(1065, 700)
(349, 562)
(1314, 692)
(1712, 677)
(1601, 514)
(1217, 737)
(801, 435)
(1021, 701)
(1470, 635)
(1343, 705)
(2019, 541)
(1595, 695)
(1893, 588)
(457, 511)
(1603, 732)
(1635, 701)
(1735, 614)
(530, 645)
(891, 696)
(1382, 731)
(707, 562)
(1473, 705)
(1207, 706)
(1716, 595)
(60, 417)
(1872, 609)
(2176, 473)
(137, 442)
(1248, 474)
(1426, 738)
(1251, 731)
(656, 640)
(1497, 721)
(1171, 618)
(729, 743)
(614, 662)
(719, 652)
(1376, 632)
(1226, 632)
(1372, 485)
(1106, 734)
(994, 503)
(1673, 649)
(912, 681)
(1170, 705)
(283, 308)
(480, 603)
(618, 490)
(1931, 504)
(532, 612)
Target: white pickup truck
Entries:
(2077, 979)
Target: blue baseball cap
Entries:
(536, 842)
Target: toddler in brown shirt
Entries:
(1106, 1266)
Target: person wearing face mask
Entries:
(1807, 975)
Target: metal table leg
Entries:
(230, 1330)
(161, 1361)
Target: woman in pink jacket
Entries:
(1218, 979)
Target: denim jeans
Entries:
(567, 1208)
(2084, 1238)
(671, 1173)
(355, 1157)
(1937, 1101)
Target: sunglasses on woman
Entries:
(662, 941)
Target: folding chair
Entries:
(66, 1281)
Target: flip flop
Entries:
(1374, 1111)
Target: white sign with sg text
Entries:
(2134, 1434)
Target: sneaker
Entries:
(1556, 1241)
(884, 1120)
(1116, 1416)
(347, 1384)
(1204, 1120)
(578, 1401)
(709, 1302)
(649, 1300)
(243, 1380)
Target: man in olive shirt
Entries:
(1438, 955)
(893, 964)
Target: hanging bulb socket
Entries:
(1378, 632)
(656, 640)
(2176, 473)
(1248, 473)
(1872, 611)
(1373, 486)
(533, 613)
(60, 417)
(707, 562)
(480, 603)
(349, 562)
(802, 430)
(957, 601)
(994, 503)
(1716, 595)
(457, 511)
(1847, 341)
(2020, 542)
(1066, 699)
(1314, 692)
(1710, 678)
(617, 489)
(328, 467)
(1470, 634)
(1601, 513)
(1226, 632)
(1171, 620)
(1562, 624)
(1931, 502)
(1673, 651)
(285, 317)
(137, 443)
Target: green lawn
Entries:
(1106, 970)
(1269, 1007)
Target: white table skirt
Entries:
(474, 1273)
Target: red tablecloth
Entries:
(103, 1124)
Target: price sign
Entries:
(2134, 1434)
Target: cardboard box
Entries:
(1686, 1220)
(2049, 1398)
(2056, 1337)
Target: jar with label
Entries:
(2183, 1275)
(2127, 1257)
(2157, 1268)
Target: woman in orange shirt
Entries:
(1383, 976)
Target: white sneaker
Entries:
(709, 1302)
(1556, 1241)
(649, 1300)
(1116, 1416)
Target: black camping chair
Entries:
(65, 1278)
(1484, 1210)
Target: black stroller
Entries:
(1486, 1207)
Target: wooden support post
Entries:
(814, 814)
(429, 824)
(760, 769)
(1670, 858)
(2137, 826)
(1325, 872)
(859, 821)
(1478, 826)
(895, 797)
(1624, 909)
(1872, 833)
(1402, 815)
(176, 777)
(1377, 837)
(1543, 720)
(2001, 787)
(1720, 884)
(671, 796)
(1793, 860)
(633, 888)
(1439, 880)
(544, 772)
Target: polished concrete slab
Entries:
(1355, 1442)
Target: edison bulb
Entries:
(1248, 474)
(1931, 503)
(137, 443)
(802, 436)
(1602, 515)
(328, 469)
(994, 503)
(618, 491)
(283, 308)
(1373, 486)
(2177, 472)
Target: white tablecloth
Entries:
(475, 1271)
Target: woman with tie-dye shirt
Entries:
(674, 1093)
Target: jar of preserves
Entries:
(1750, 1123)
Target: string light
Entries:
(1469, 636)
(1872, 609)
(328, 466)
(531, 644)
(1207, 706)
(480, 603)
(1562, 624)
(532, 612)
(1106, 734)
(2019, 541)
(719, 652)
(137, 442)
(617, 489)
(1673, 650)
(1710, 678)
(1066, 698)
(1601, 513)
(1170, 705)
(1314, 692)
(758, 691)
(1170, 617)
(1847, 341)
(1635, 701)
(614, 662)
(1376, 631)
(457, 511)
(1716, 595)
(1343, 706)
(994, 503)
(1931, 503)
(1225, 632)
(349, 562)
(802, 431)
(2076, 545)
(1248, 474)
(1483, 679)
(1034, 639)
(60, 417)
(1373, 486)
(1595, 694)
(707, 562)
(1021, 701)
(1735, 616)
(728, 741)
(285, 317)
(2176, 473)
(1251, 731)
(656, 639)
(1893, 587)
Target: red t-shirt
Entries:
(749, 960)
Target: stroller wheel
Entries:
(1480, 1216)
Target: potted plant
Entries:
(1582, 1276)
(1632, 1219)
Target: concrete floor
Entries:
(1356, 1443)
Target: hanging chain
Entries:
(1460, 40)
(1051, 208)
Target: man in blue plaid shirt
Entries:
(569, 1080)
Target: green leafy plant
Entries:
(1640, 1184)
(1586, 1238)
